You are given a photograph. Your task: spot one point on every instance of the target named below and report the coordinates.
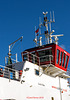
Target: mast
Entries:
(48, 37)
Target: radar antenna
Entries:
(56, 39)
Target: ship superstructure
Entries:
(50, 54)
(42, 73)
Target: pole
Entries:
(16, 57)
(60, 89)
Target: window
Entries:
(57, 56)
(44, 55)
(66, 61)
(63, 59)
(36, 72)
(60, 58)
(25, 57)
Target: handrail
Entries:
(37, 59)
(10, 73)
(31, 54)
(34, 57)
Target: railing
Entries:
(10, 73)
(35, 59)
(31, 57)
(14, 59)
(47, 58)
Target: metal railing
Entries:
(10, 73)
(37, 60)
(31, 57)
(14, 59)
(46, 58)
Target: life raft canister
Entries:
(1, 72)
(20, 73)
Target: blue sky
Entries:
(19, 17)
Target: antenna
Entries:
(50, 21)
(48, 31)
(53, 17)
(46, 25)
(50, 36)
(40, 23)
(35, 40)
(50, 17)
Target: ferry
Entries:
(43, 73)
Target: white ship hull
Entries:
(33, 87)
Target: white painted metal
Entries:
(40, 40)
(12, 44)
(33, 87)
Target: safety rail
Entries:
(35, 59)
(46, 58)
(10, 73)
(31, 57)
(14, 60)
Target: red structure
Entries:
(46, 54)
